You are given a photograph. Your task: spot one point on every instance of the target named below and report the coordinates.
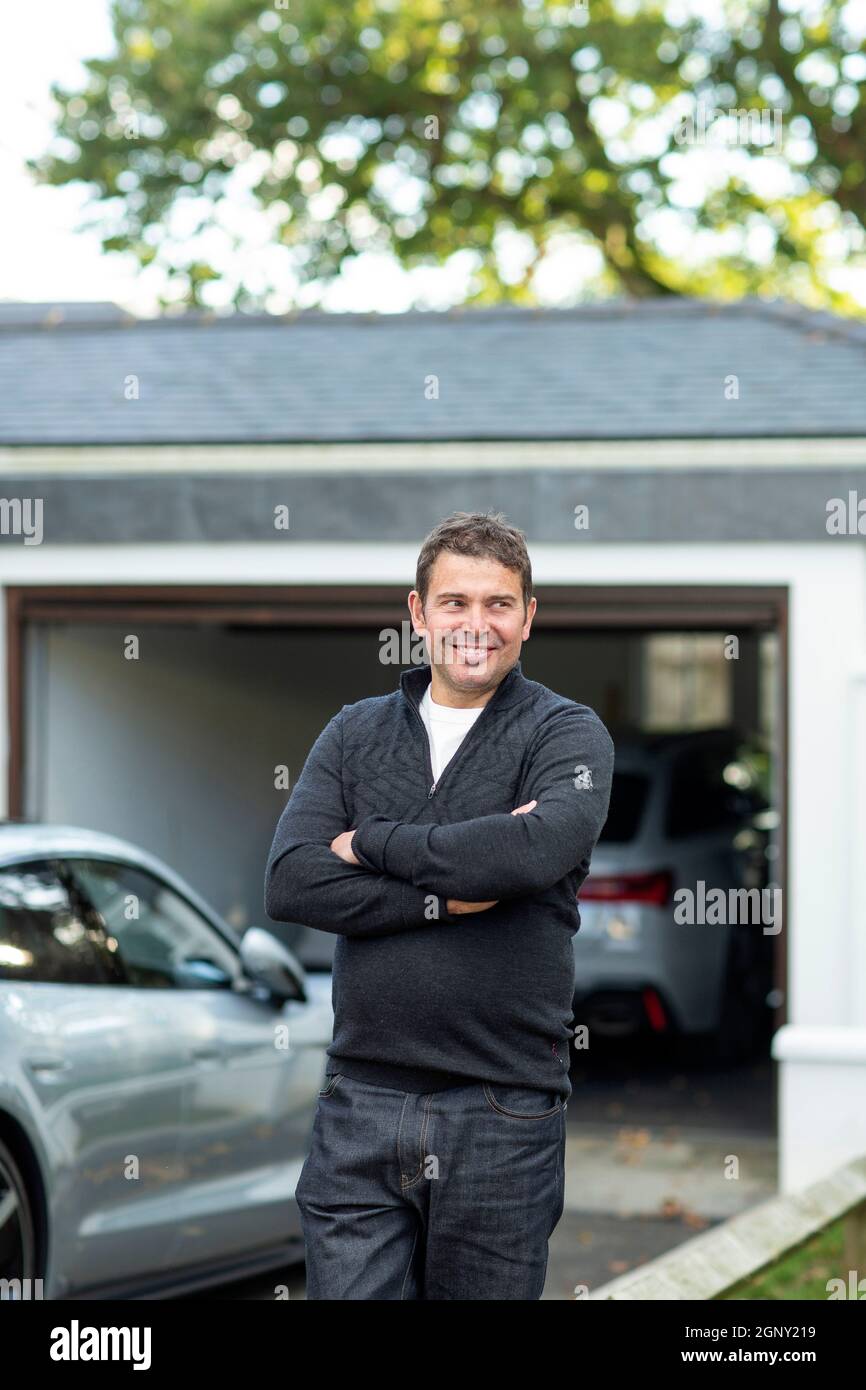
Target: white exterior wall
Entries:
(822, 1050)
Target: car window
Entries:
(160, 940)
(628, 797)
(47, 934)
(701, 799)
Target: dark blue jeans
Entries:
(453, 1194)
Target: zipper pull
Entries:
(431, 791)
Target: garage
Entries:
(166, 636)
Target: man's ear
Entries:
(415, 606)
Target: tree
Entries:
(436, 127)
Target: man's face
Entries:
(473, 622)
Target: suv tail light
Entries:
(628, 888)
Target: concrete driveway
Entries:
(658, 1149)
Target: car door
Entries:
(103, 1078)
(253, 1072)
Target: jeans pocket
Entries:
(333, 1082)
(522, 1102)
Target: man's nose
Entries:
(476, 620)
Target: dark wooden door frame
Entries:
(619, 607)
(560, 605)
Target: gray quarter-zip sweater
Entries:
(424, 999)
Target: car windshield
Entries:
(713, 789)
(628, 797)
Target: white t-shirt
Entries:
(447, 727)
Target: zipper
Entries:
(428, 751)
(435, 784)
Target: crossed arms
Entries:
(407, 873)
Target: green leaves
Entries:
(327, 128)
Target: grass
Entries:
(803, 1274)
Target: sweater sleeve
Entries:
(306, 882)
(569, 774)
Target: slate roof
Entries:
(619, 370)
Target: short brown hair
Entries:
(476, 533)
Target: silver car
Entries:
(684, 808)
(158, 1076)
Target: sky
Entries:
(44, 256)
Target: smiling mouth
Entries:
(465, 653)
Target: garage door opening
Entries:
(165, 716)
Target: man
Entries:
(442, 832)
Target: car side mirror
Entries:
(200, 972)
(267, 961)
